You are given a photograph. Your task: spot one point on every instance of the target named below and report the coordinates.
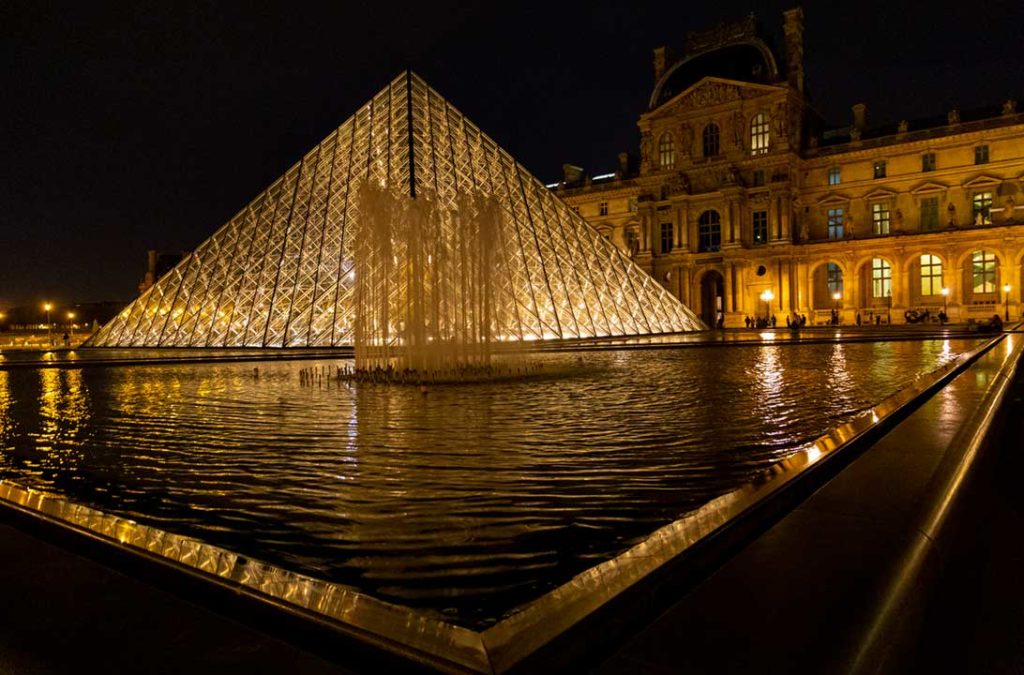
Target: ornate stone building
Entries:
(745, 205)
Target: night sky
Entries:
(147, 125)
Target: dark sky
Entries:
(141, 125)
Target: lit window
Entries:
(666, 237)
(602, 208)
(928, 161)
(879, 169)
(981, 206)
(666, 151)
(760, 228)
(983, 272)
(930, 213)
(880, 218)
(981, 154)
(835, 223)
(709, 231)
(834, 278)
(709, 138)
(881, 278)
(931, 274)
(759, 134)
(834, 176)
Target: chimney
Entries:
(659, 63)
(793, 27)
(623, 164)
(860, 116)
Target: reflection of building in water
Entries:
(741, 188)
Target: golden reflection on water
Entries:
(64, 414)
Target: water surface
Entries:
(466, 501)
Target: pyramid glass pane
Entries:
(282, 272)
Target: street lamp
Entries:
(1006, 300)
(71, 320)
(767, 296)
(836, 296)
(49, 332)
(945, 304)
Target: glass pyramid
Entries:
(282, 272)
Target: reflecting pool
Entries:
(464, 500)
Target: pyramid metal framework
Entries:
(279, 274)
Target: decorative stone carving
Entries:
(645, 151)
(855, 135)
(953, 116)
(1009, 106)
(951, 219)
(902, 128)
(709, 94)
(737, 127)
(685, 139)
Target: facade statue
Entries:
(1009, 106)
(902, 128)
(951, 215)
(953, 116)
(897, 218)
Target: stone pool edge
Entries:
(435, 644)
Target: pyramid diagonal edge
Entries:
(278, 274)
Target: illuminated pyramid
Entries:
(283, 272)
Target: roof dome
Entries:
(747, 62)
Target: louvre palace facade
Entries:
(744, 204)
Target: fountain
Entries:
(427, 304)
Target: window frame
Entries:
(837, 173)
(835, 219)
(711, 140)
(985, 208)
(981, 154)
(666, 238)
(666, 151)
(602, 208)
(928, 162)
(762, 216)
(760, 135)
(984, 266)
(924, 224)
(833, 278)
(878, 221)
(881, 278)
(709, 232)
(879, 169)
(931, 270)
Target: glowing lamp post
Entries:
(767, 296)
(835, 297)
(71, 321)
(1006, 300)
(49, 331)
(945, 303)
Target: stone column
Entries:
(786, 208)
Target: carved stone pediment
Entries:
(929, 187)
(982, 180)
(712, 91)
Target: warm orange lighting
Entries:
(836, 296)
(71, 315)
(767, 295)
(47, 306)
(1006, 288)
(945, 291)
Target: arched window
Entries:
(759, 134)
(881, 278)
(931, 274)
(709, 232)
(709, 138)
(834, 275)
(983, 272)
(666, 151)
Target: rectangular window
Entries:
(758, 178)
(881, 278)
(928, 161)
(834, 279)
(835, 223)
(981, 154)
(880, 218)
(602, 208)
(834, 177)
(930, 213)
(760, 227)
(931, 274)
(981, 206)
(666, 237)
(879, 169)
(983, 272)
